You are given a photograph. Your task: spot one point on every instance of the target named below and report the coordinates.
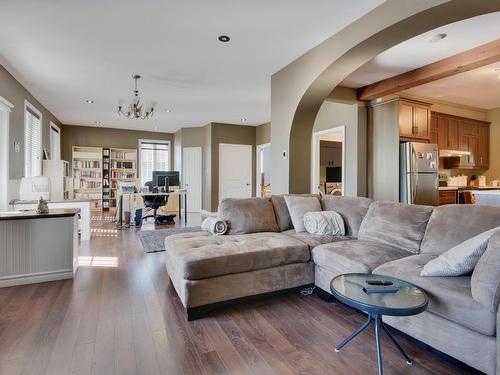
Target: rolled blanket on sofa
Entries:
(325, 223)
(214, 225)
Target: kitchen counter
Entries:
(38, 247)
(84, 205)
(441, 188)
(22, 215)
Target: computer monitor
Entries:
(159, 178)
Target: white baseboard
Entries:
(35, 278)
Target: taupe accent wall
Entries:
(263, 134)
(208, 138)
(232, 134)
(16, 93)
(73, 135)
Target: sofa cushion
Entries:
(281, 210)
(355, 256)
(485, 281)
(352, 210)
(197, 256)
(250, 215)
(395, 224)
(314, 240)
(449, 297)
(450, 225)
(298, 206)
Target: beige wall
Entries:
(494, 172)
(263, 134)
(107, 137)
(299, 89)
(16, 93)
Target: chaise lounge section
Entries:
(381, 237)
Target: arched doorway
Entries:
(299, 90)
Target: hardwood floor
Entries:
(122, 316)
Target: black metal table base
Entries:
(378, 324)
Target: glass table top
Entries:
(408, 300)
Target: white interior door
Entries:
(235, 171)
(55, 142)
(192, 177)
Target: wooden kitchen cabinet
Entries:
(414, 120)
(483, 150)
(459, 133)
(447, 197)
(330, 154)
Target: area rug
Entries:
(154, 240)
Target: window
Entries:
(154, 156)
(32, 141)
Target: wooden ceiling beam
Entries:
(486, 54)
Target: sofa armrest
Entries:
(485, 281)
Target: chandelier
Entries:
(134, 109)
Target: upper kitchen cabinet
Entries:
(463, 134)
(414, 120)
(330, 154)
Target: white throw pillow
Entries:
(298, 206)
(324, 223)
(460, 259)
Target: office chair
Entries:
(154, 202)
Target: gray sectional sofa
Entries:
(263, 253)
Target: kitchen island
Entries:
(487, 197)
(38, 247)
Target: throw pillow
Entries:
(325, 223)
(461, 259)
(248, 215)
(298, 206)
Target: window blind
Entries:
(154, 157)
(32, 143)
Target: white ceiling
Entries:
(65, 52)
(478, 88)
(418, 51)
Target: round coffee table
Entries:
(408, 300)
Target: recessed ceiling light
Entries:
(224, 38)
(436, 38)
(97, 122)
(89, 101)
(243, 119)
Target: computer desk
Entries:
(180, 192)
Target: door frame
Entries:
(5, 109)
(315, 155)
(258, 160)
(54, 126)
(221, 146)
(201, 174)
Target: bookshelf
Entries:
(123, 170)
(87, 174)
(106, 188)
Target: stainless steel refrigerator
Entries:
(419, 177)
